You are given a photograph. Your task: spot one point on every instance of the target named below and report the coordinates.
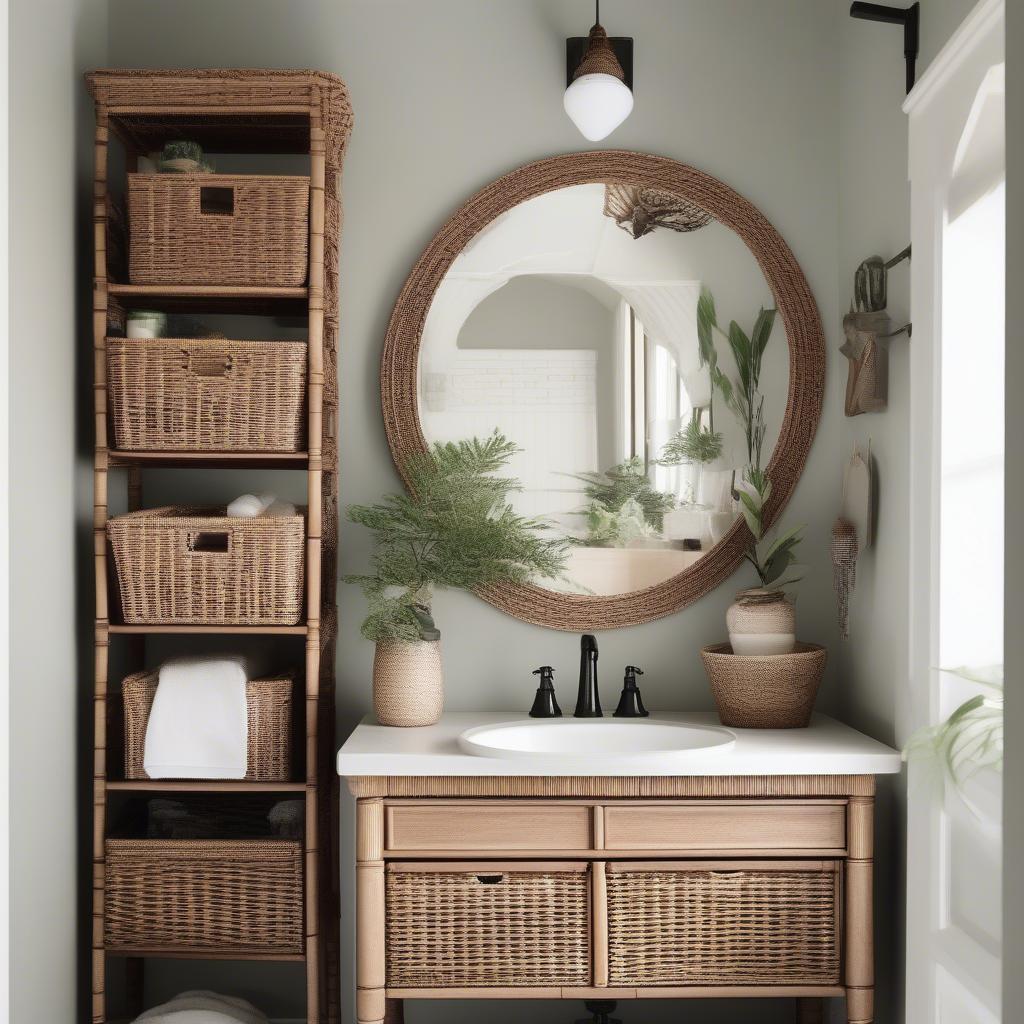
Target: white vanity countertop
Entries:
(826, 747)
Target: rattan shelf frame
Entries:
(268, 111)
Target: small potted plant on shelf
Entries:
(455, 528)
(762, 678)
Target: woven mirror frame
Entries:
(800, 319)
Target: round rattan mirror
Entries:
(601, 310)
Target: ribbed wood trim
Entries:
(608, 786)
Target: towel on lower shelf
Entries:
(249, 506)
(203, 1008)
(199, 724)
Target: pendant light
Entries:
(598, 99)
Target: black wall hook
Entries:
(908, 17)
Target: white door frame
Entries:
(938, 954)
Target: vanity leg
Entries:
(810, 1011)
(860, 968)
(370, 975)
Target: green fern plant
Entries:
(694, 443)
(455, 529)
(626, 482)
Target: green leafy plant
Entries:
(694, 443)
(744, 396)
(616, 529)
(609, 492)
(455, 529)
(769, 559)
(971, 738)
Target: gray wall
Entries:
(51, 43)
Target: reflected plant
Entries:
(616, 529)
(694, 443)
(971, 738)
(743, 397)
(611, 490)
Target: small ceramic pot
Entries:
(761, 621)
(408, 683)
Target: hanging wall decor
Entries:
(866, 330)
(852, 532)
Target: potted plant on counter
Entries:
(454, 529)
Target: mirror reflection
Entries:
(614, 334)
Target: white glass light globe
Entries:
(598, 104)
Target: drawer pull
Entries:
(489, 879)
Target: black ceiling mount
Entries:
(908, 17)
(576, 47)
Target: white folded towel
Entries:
(203, 1008)
(248, 506)
(198, 726)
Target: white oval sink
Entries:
(588, 740)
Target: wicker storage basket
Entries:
(727, 923)
(765, 691)
(269, 703)
(176, 394)
(218, 229)
(508, 925)
(214, 896)
(187, 566)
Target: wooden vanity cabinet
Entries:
(704, 891)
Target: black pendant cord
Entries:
(908, 17)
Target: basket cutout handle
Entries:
(217, 200)
(209, 542)
(208, 364)
(489, 879)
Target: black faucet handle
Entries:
(631, 704)
(544, 703)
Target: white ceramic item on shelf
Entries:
(408, 683)
(761, 621)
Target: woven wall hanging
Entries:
(639, 211)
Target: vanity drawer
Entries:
(796, 825)
(723, 923)
(509, 924)
(486, 825)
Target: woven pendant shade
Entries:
(640, 210)
(600, 58)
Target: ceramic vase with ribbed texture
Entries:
(761, 621)
(408, 683)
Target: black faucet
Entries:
(588, 702)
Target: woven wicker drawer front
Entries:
(501, 924)
(174, 394)
(727, 924)
(269, 707)
(177, 565)
(218, 229)
(232, 896)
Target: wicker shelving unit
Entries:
(251, 112)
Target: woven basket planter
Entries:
(185, 394)
(207, 896)
(765, 691)
(269, 705)
(185, 566)
(408, 683)
(753, 923)
(448, 926)
(218, 229)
